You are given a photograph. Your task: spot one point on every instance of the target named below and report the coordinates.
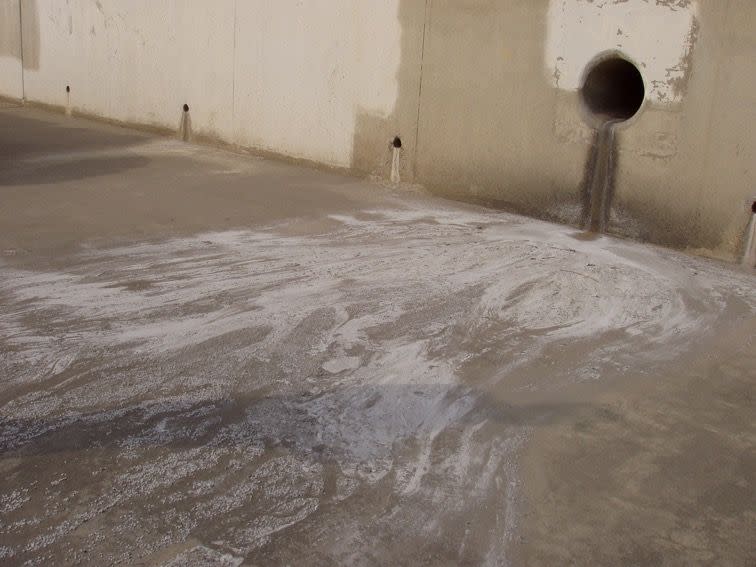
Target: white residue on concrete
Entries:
(236, 383)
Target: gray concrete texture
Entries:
(214, 359)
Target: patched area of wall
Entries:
(657, 36)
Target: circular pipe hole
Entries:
(68, 88)
(397, 143)
(613, 89)
(186, 108)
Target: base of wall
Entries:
(196, 138)
(10, 102)
(554, 208)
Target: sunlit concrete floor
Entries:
(214, 359)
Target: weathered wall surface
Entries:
(305, 70)
(483, 93)
(10, 50)
(501, 118)
(136, 61)
(277, 75)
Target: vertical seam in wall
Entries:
(233, 78)
(21, 46)
(426, 17)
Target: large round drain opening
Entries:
(613, 89)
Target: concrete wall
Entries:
(277, 75)
(482, 92)
(501, 118)
(137, 61)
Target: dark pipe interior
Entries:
(614, 89)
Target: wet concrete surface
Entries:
(213, 359)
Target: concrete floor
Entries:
(212, 359)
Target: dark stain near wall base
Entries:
(600, 178)
(185, 124)
(644, 221)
